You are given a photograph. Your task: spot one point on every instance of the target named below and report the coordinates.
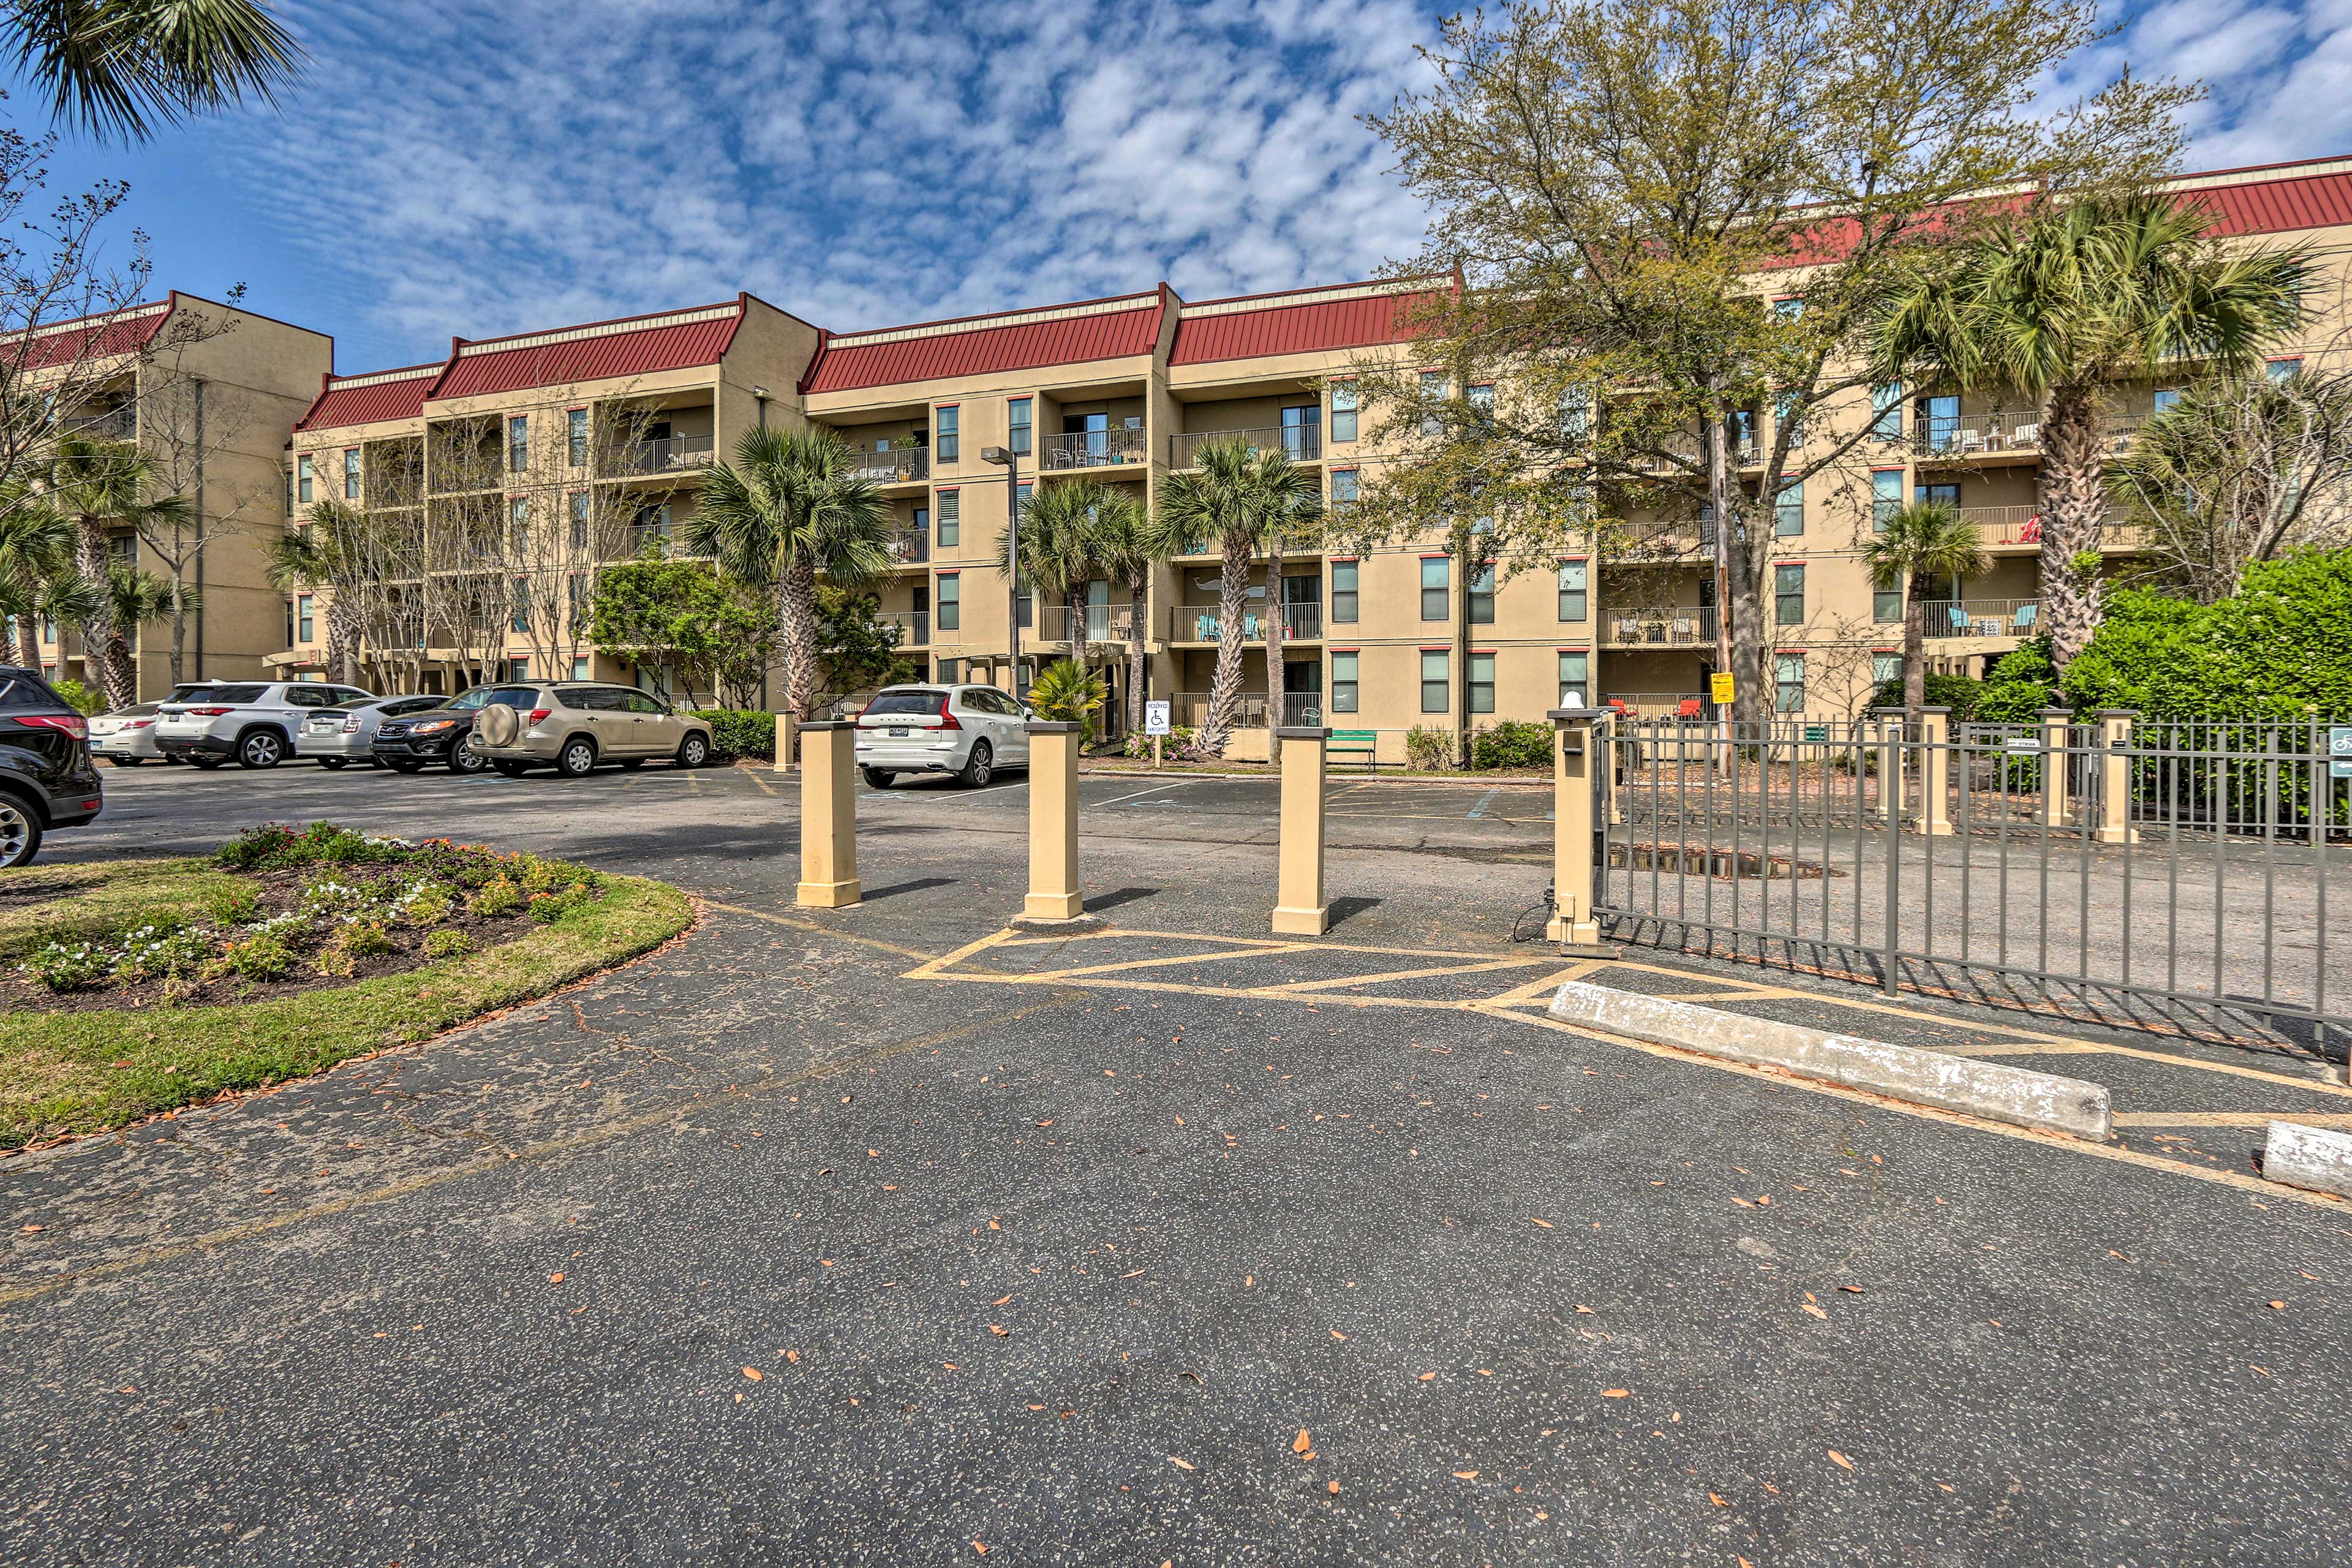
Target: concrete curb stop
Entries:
(2313, 1157)
(2015, 1095)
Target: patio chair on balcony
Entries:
(2023, 622)
(1251, 628)
(1205, 628)
(1689, 707)
(1685, 628)
(2026, 434)
(1958, 614)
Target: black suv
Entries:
(46, 779)
(443, 734)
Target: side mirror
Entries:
(1027, 711)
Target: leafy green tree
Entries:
(792, 507)
(1126, 545)
(2061, 305)
(1918, 547)
(36, 546)
(660, 612)
(102, 485)
(136, 598)
(1617, 188)
(1067, 691)
(1056, 523)
(120, 69)
(1248, 500)
(856, 649)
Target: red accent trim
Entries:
(1441, 555)
(1351, 652)
(1879, 651)
(1586, 650)
(942, 406)
(1786, 650)
(1348, 560)
(1877, 471)
(1788, 563)
(949, 571)
(1482, 653)
(1442, 647)
(946, 489)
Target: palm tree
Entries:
(790, 507)
(331, 549)
(37, 545)
(135, 598)
(102, 485)
(117, 69)
(1126, 542)
(1245, 498)
(1056, 524)
(1921, 545)
(2062, 304)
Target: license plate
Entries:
(898, 731)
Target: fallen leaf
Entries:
(1000, 1300)
(1334, 1486)
(1041, 1407)
(1426, 1377)
(997, 1329)
(2278, 1306)
(874, 1153)
(1717, 1500)
(951, 1366)
(1855, 1289)
(1179, 1464)
(555, 1279)
(754, 1372)
(993, 1226)
(793, 1357)
(1837, 1458)
(1616, 1394)
(33, 1227)
(1587, 1311)
(1301, 1443)
(1466, 1475)
(1130, 1273)
(1544, 1223)
(1337, 1335)
(1816, 1312)
(976, 1546)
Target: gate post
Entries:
(1577, 763)
(1299, 908)
(1935, 771)
(1053, 893)
(2115, 776)
(1890, 763)
(786, 724)
(828, 819)
(2054, 767)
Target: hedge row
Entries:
(741, 732)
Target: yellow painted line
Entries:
(2225, 1119)
(930, 968)
(1296, 987)
(1316, 946)
(1439, 817)
(1114, 932)
(753, 774)
(1533, 991)
(821, 929)
(1123, 965)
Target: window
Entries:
(289, 624)
(946, 443)
(1885, 666)
(576, 436)
(1788, 309)
(517, 443)
(580, 666)
(1436, 582)
(1024, 607)
(1788, 595)
(351, 473)
(578, 522)
(1433, 387)
(1788, 510)
(2165, 397)
(1343, 590)
(950, 519)
(1886, 411)
(1785, 417)
(1949, 494)
(522, 621)
(1575, 414)
(304, 628)
(519, 525)
(1302, 432)
(1885, 497)
(1021, 499)
(1482, 596)
(1574, 602)
(1885, 605)
(575, 596)
(1482, 403)
(1575, 679)
(303, 478)
(1789, 683)
(1482, 683)
(1017, 424)
(2284, 369)
(517, 669)
(1345, 488)
(1343, 683)
(1343, 411)
(949, 600)
(1433, 681)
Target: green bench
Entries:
(1364, 743)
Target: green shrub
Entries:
(546, 909)
(1512, 743)
(273, 845)
(1429, 748)
(443, 945)
(429, 905)
(265, 955)
(82, 699)
(497, 897)
(234, 905)
(70, 965)
(344, 950)
(154, 951)
(1957, 692)
(739, 733)
(1178, 736)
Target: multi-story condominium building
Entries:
(514, 467)
(208, 392)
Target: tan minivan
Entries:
(572, 725)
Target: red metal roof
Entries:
(603, 351)
(846, 364)
(398, 395)
(2275, 206)
(1355, 322)
(122, 333)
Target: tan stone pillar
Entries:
(1935, 771)
(828, 817)
(1054, 892)
(1299, 909)
(2115, 776)
(1890, 760)
(2054, 767)
(1577, 758)
(785, 725)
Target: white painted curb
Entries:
(1997, 1093)
(2313, 1157)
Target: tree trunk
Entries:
(1463, 570)
(1274, 630)
(1750, 605)
(1225, 685)
(796, 608)
(98, 632)
(1915, 647)
(2074, 499)
(28, 640)
(122, 672)
(1135, 588)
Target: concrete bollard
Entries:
(1053, 893)
(1935, 771)
(785, 726)
(1890, 762)
(1577, 761)
(2054, 767)
(828, 818)
(1299, 909)
(2115, 776)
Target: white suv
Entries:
(969, 730)
(253, 721)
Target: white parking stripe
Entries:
(1174, 783)
(1485, 801)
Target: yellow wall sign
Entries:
(1719, 688)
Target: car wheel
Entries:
(979, 767)
(260, 749)
(579, 755)
(509, 768)
(405, 766)
(464, 759)
(20, 832)
(126, 762)
(877, 778)
(693, 752)
(333, 764)
(197, 760)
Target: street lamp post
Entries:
(1010, 461)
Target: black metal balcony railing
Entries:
(1996, 434)
(667, 454)
(1677, 626)
(1094, 449)
(910, 546)
(898, 466)
(1300, 442)
(111, 425)
(1085, 623)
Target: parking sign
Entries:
(1155, 719)
(2339, 751)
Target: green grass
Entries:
(97, 900)
(58, 1072)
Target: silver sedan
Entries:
(338, 736)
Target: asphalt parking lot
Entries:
(1171, 1243)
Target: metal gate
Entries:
(2174, 876)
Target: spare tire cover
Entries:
(500, 724)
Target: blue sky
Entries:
(450, 166)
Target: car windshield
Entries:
(891, 703)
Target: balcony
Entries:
(1678, 626)
(2001, 435)
(1198, 622)
(914, 626)
(1094, 449)
(1085, 623)
(899, 465)
(1981, 617)
(666, 455)
(2021, 527)
(910, 546)
(109, 425)
(1299, 443)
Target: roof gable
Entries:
(603, 351)
(1301, 321)
(93, 337)
(1116, 328)
(371, 399)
